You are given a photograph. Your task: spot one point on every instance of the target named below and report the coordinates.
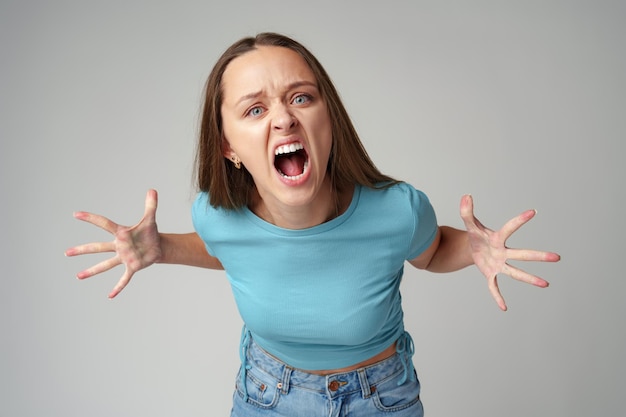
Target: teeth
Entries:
(292, 147)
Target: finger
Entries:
(467, 207)
(516, 222)
(467, 213)
(152, 200)
(122, 283)
(494, 289)
(524, 276)
(99, 268)
(90, 248)
(532, 255)
(97, 220)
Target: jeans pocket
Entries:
(262, 389)
(389, 396)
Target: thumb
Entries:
(152, 200)
(467, 209)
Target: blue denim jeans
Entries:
(274, 389)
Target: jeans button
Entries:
(333, 386)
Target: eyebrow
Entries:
(289, 87)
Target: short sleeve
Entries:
(199, 218)
(425, 223)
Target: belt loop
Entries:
(406, 350)
(285, 380)
(366, 390)
(243, 356)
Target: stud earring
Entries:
(236, 161)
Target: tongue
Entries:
(291, 165)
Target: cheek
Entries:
(323, 129)
(244, 138)
(325, 135)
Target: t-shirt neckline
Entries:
(320, 228)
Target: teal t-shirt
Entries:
(328, 296)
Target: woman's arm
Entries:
(454, 249)
(449, 252)
(186, 249)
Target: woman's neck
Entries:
(328, 204)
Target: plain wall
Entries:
(521, 104)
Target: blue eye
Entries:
(255, 111)
(302, 99)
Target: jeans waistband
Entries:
(363, 379)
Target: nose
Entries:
(283, 119)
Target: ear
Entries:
(227, 151)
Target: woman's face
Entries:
(276, 121)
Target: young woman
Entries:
(313, 239)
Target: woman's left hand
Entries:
(490, 253)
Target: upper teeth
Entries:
(292, 147)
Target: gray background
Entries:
(519, 103)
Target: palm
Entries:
(490, 253)
(135, 247)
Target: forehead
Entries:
(265, 69)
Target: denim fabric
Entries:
(274, 389)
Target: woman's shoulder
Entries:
(396, 189)
(202, 208)
(398, 195)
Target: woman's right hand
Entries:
(136, 247)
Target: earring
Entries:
(236, 161)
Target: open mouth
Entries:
(291, 160)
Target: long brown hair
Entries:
(232, 188)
